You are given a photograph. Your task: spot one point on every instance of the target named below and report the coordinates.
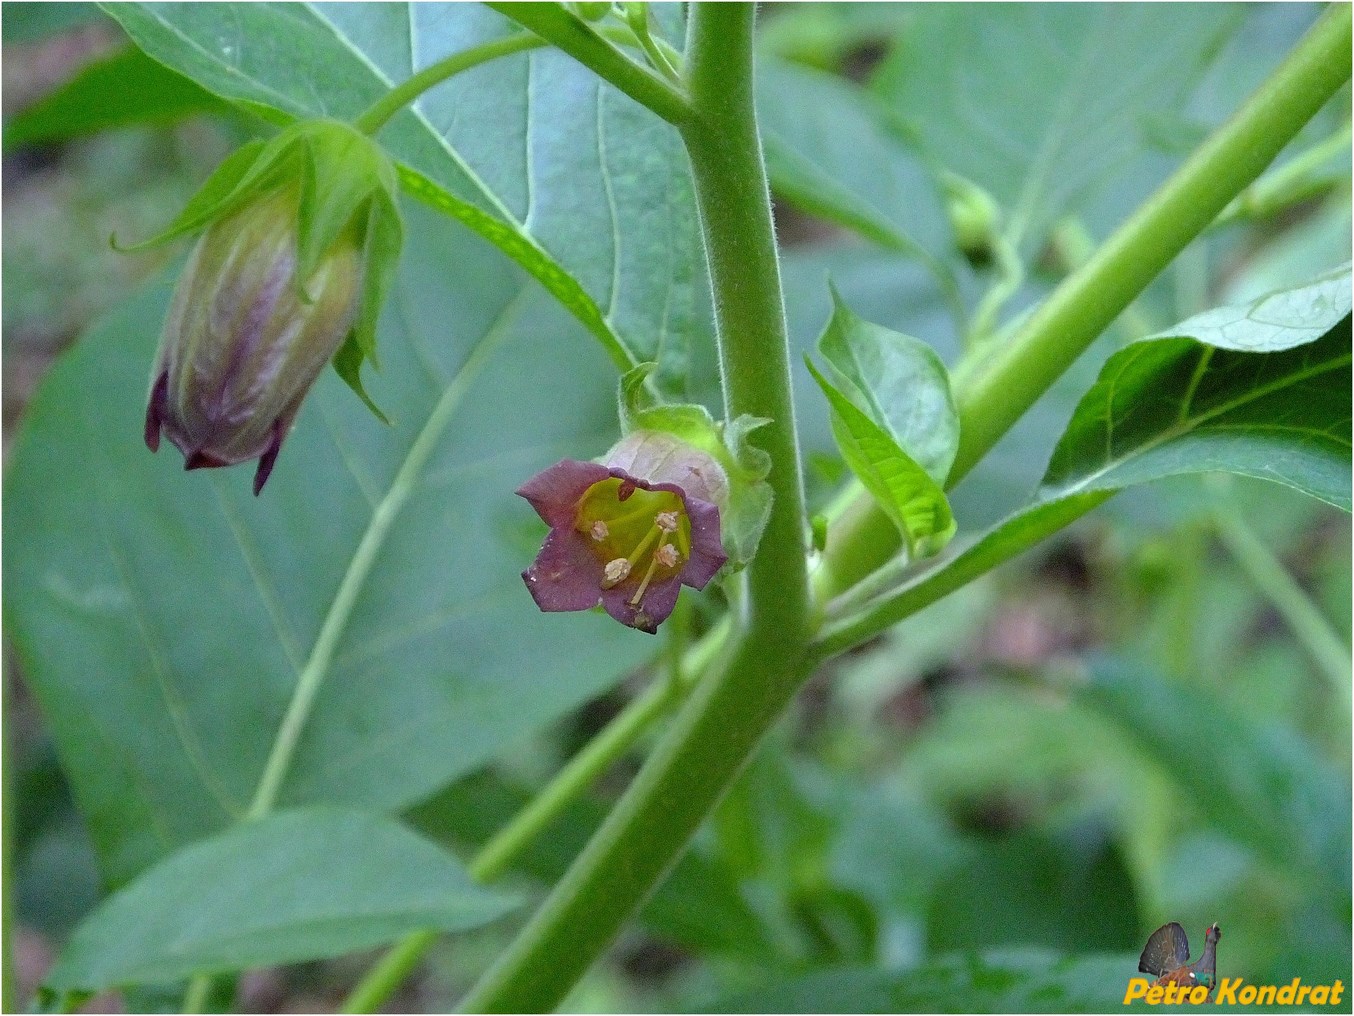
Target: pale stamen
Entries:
(644, 583)
(599, 531)
(666, 521)
(666, 556)
(615, 571)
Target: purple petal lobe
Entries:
(707, 549)
(155, 411)
(269, 457)
(651, 611)
(565, 574)
(555, 492)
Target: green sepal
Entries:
(349, 183)
(230, 185)
(902, 488)
(344, 171)
(745, 465)
(348, 364)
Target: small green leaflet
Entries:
(895, 422)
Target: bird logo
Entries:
(1166, 957)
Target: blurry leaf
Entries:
(1052, 101)
(1256, 781)
(699, 904)
(580, 185)
(823, 35)
(124, 89)
(828, 154)
(298, 885)
(1243, 390)
(162, 618)
(899, 382)
(1071, 892)
(1007, 981)
(33, 22)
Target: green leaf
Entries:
(902, 488)
(899, 382)
(894, 420)
(1053, 102)
(1194, 401)
(163, 618)
(584, 188)
(829, 154)
(1258, 782)
(1028, 980)
(300, 885)
(121, 90)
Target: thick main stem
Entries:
(731, 710)
(729, 714)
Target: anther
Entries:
(599, 531)
(666, 555)
(666, 521)
(615, 571)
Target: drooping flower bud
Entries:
(301, 239)
(628, 533)
(246, 338)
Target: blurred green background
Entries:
(1142, 721)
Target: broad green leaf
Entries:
(118, 91)
(1194, 401)
(1052, 100)
(913, 500)
(299, 885)
(829, 154)
(901, 384)
(1028, 980)
(163, 618)
(1258, 782)
(580, 185)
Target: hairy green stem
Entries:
(993, 391)
(731, 710)
(1314, 633)
(576, 37)
(407, 91)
